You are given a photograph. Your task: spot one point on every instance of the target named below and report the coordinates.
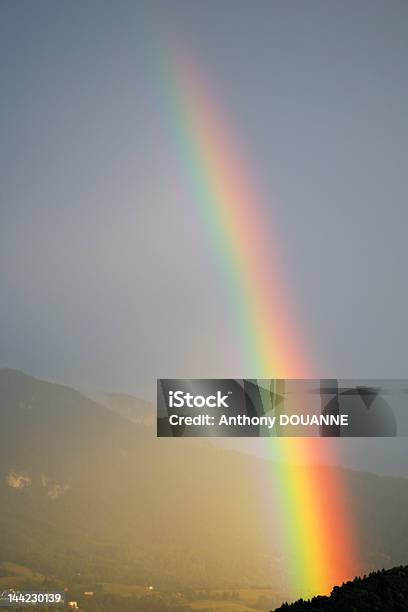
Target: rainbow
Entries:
(310, 507)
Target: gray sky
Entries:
(107, 276)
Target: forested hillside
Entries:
(383, 591)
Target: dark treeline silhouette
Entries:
(383, 591)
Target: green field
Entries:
(224, 606)
(14, 575)
(123, 590)
(248, 600)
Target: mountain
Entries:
(89, 497)
(84, 491)
(385, 591)
(134, 409)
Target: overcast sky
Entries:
(107, 279)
